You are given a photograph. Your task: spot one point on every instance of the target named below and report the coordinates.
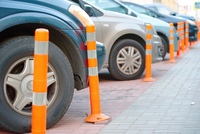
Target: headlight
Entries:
(81, 15)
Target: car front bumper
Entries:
(193, 32)
(156, 45)
(176, 38)
(101, 54)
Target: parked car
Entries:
(193, 30)
(124, 38)
(162, 28)
(67, 68)
(161, 8)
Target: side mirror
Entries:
(88, 9)
(153, 15)
(174, 13)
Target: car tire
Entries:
(164, 47)
(127, 60)
(16, 72)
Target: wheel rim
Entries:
(129, 60)
(18, 85)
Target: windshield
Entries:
(163, 9)
(136, 8)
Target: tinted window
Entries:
(153, 8)
(152, 14)
(108, 5)
(164, 10)
(137, 8)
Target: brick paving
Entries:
(169, 105)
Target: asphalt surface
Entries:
(170, 105)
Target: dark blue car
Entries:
(67, 58)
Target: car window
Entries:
(93, 12)
(164, 10)
(152, 14)
(108, 5)
(153, 8)
(137, 9)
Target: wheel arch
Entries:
(130, 36)
(165, 38)
(63, 41)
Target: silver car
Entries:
(124, 39)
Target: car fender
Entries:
(23, 18)
(120, 30)
(41, 18)
(58, 24)
(165, 31)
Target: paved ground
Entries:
(171, 104)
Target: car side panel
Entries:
(118, 30)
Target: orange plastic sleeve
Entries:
(91, 45)
(92, 62)
(90, 28)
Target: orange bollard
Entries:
(179, 41)
(182, 37)
(171, 43)
(198, 36)
(96, 115)
(191, 43)
(40, 81)
(178, 53)
(186, 35)
(148, 61)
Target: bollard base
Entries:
(183, 51)
(148, 79)
(105, 122)
(187, 48)
(96, 118)
(172, 61)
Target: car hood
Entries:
(159, 25)
(60, 5)
(186, 16)
(188, 20)
(172, 19)
(57, 8)
(153, 21)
